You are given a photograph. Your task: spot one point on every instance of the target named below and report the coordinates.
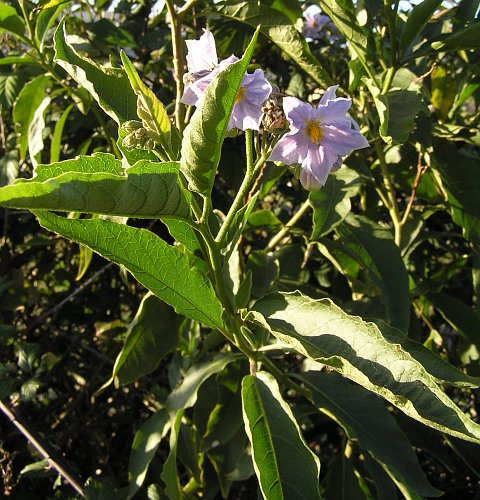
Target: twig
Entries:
(58, 306)
(44, 449)
(420, 171)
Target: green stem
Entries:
(249, 149)
(392, 205)
(177, 45)
(238, 202)
(288, 226)
(388, 80)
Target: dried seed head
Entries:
(274, 120)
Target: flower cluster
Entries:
(318, 137)
(203, 66)
(314, 24)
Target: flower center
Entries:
(314, 131)
(240, 94)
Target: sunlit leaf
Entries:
(321, 331)
(286, 468)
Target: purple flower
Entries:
(318, 137)
(314, 24)
(247, 112)
(203, 67)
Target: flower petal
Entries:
(291, 149)
(342, 140)
(296, 112)
(329, 95)
(202, 53)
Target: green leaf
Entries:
(84, 258)
(185, 395)
(27, 103)
(163, 269)
(150, 110)
(152, 334)
(148, 189)
(443, 91)
(397, 110)
(365, 418)
(204, 136)
(10, 86)
(343, 16)
(8, 168)
(342, 483)
(460, 176)
(35, 131)
(285, 466)
(56, 144)
(436, 366)
(110, 87)
(144, 447)
(277, 26)
(463, 39)
(170, 473)
(461, 317)
(11, 21)
(373, 248)
(46, 20)
(331, 204)
(321, 331)
(417, 20)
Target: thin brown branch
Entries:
(420, 171)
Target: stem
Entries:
(177, 45)
(288, 226)
(391, 15)
(241, 195)
(392, 206)
(42, 447)
(388, 79)
(249, 150)
(420, 171)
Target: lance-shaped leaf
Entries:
(372, 246)
(366, 419)
(110, 87)
(147, 189)
(331, 204)
(152, 334)
(161, 268)
(149, 109)
(26, 104)
(144, 447)
(204, 136)
(285, 466)
(277, 26)
(321, 331)
(343, 16)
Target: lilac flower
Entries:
(314, 24)
(318, 137)
(247, 112)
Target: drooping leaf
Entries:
(286, 468)
(343, 16)
(417, 20)
(467, 38)
(110, 87)
(162, 269)
(35, 131)
(146, 189)
(397, 110)
(459, 315)
(145, 444)
(185, 395)
(152, 334)
(56, 144)
(280, 29)
(27, 103)
(331, 204)
(365, 418)
(342, 483)
(321, 331)
(204, 136)
(370, 247)
(460, 177)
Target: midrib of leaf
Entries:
(263, 417)
(129, 264)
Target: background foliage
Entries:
(139, 396)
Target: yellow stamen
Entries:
(240, 94)
(314, 131)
